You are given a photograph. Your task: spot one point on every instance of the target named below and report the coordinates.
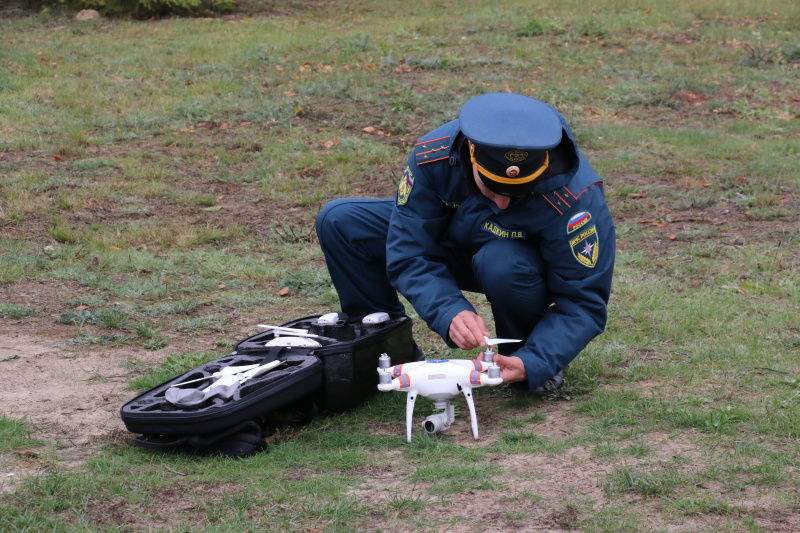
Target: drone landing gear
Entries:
(441, 422)
(412, 397)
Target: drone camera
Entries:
(435, 423)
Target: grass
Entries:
(159, 185)
(15, 434)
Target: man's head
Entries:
(510, 138)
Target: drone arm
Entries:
(401, 383)
(471, 364)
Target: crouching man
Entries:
(499, 201)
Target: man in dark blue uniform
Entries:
(501, 202)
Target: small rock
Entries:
(88, 14)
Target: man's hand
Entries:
(467, 330)
(511, 368)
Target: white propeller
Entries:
(492, 342)
(225, 386)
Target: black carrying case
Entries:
(336, 376)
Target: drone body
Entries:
(440, 380)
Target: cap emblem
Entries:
(515, 156)
(512, 172)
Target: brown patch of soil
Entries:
(164, 504)
(69, 395)
(536, 491)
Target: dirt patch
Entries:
(69, 395)
(157, 513)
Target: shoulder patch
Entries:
(405, 186)
(432, 150)
(563, 198)
(560, 199)
(585, 247)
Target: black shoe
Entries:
(551, 385)
(416, 354)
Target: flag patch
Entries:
(578, 221)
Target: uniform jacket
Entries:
(566, 218)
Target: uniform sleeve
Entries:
(580, 264)
(414, 256)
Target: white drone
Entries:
(441, 380)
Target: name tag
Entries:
(503, 233)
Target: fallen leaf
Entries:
(284, 291)
(30, 453)
(369, 129)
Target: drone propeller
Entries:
(225, 385)
(492, 342)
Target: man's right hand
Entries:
(512, 369)
(467, 330)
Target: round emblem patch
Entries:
(515, 156)
(512, 172)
